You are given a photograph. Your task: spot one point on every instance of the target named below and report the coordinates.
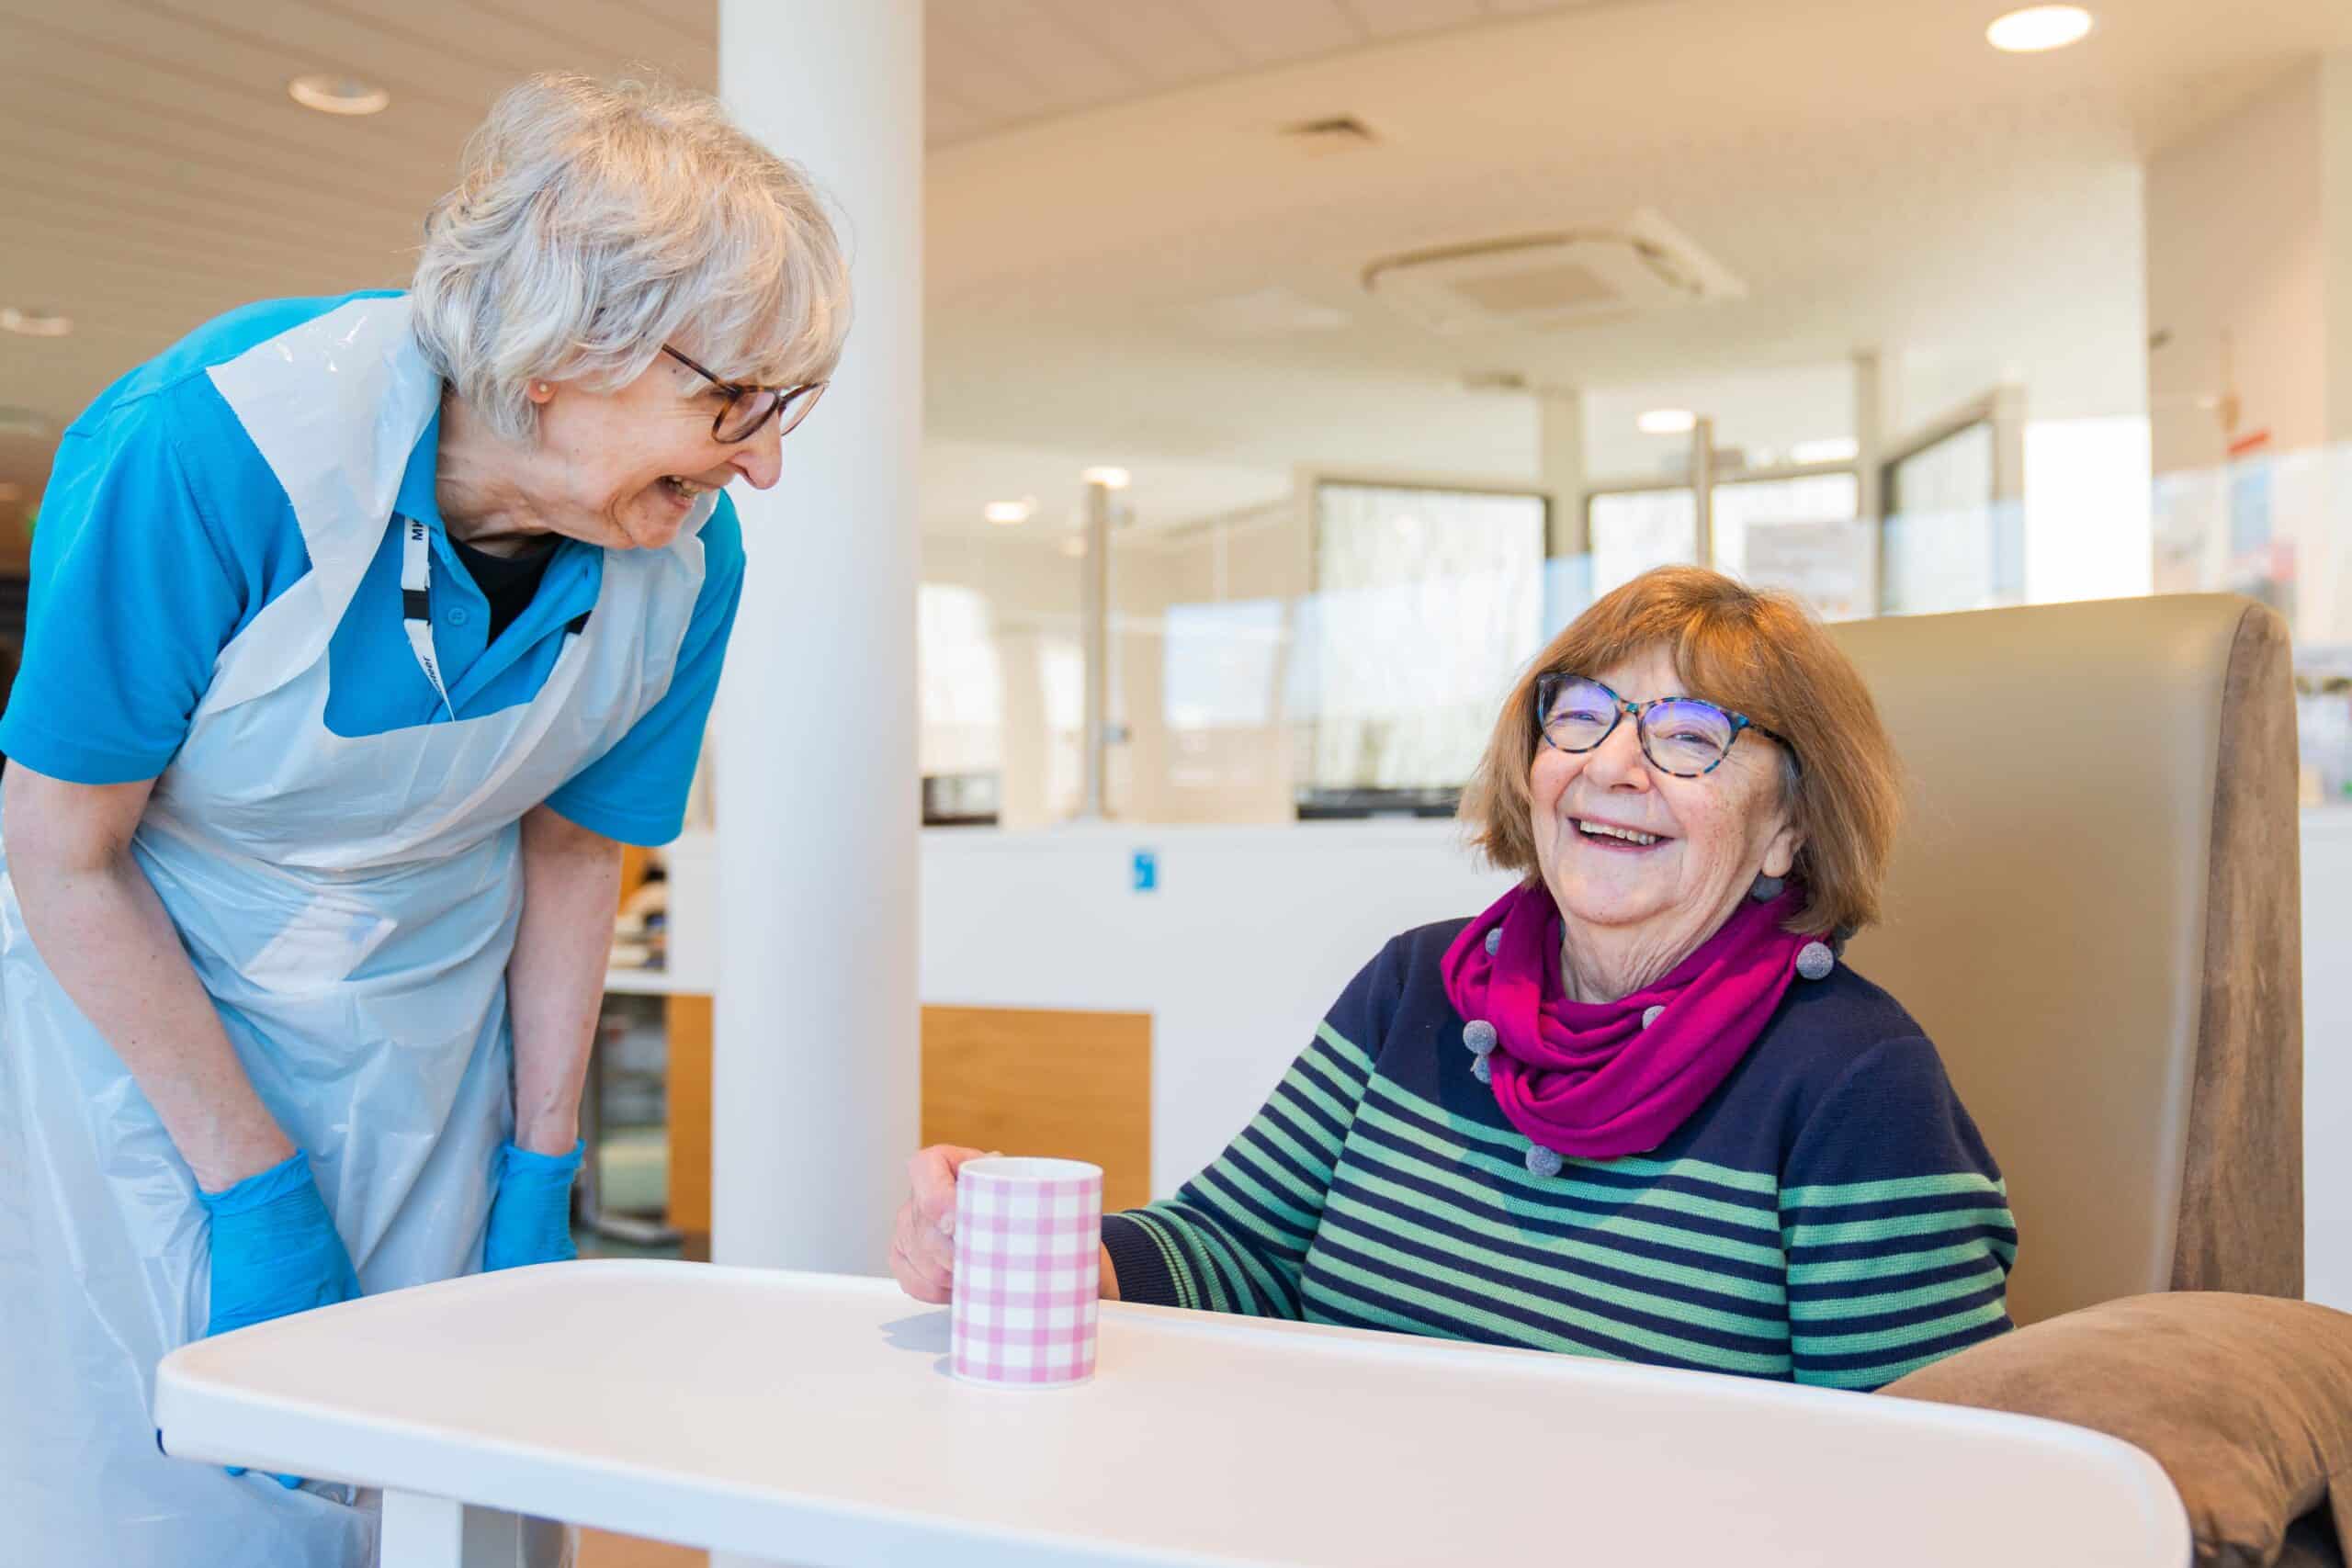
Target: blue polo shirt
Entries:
(164, 533)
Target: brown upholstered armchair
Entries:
(2094, 911)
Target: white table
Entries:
(811, 1418)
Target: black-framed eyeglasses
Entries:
(1681, 736)
(748, 408)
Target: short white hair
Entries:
(592, 224)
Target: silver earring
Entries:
(1766, 888)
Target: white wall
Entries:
(2236, 269)
(2086, 508)
(2327, 1057)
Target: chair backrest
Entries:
(2093, 911)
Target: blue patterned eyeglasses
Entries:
(1681, 736)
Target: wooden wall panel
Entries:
(689, 1023)
(1072, 1085)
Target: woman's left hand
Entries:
(530, 1212)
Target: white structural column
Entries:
(815, 1080)
(1559, 439)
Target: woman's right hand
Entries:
(922, 1242)
(275, 1252)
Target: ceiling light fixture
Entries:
(1834, 449)
(330, 94)
(1109, 478)
(1008, 513)
(1666, 422)
(34, 324)
(2039, 27)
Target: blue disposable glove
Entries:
(530, 1212)
(275, 1252)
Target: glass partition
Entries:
(1634, 530)
(1428, 600)
(1952, 539)
(1344, 654)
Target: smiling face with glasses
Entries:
(1654, 810)
(625, 467)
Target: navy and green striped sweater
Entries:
(1829, 1214)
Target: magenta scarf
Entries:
(1598, 1080)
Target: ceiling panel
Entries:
(1400, 18)
(78, 128)
(192, 56)
(946, 117)
(1062, 59)
(1077, 53)
(306, 36)
(615, 32)
(1271, 35)
(1165, 45)
(995, 74)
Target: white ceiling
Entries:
(157, 173)
(996, 63)
(1875, 175)
(1108, 179)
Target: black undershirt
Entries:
(507, 581)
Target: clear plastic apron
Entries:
(350, 905)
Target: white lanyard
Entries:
(416, 605)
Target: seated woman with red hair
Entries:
(1638, 1107)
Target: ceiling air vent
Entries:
(1555, 278)
(1332, 133)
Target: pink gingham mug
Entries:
(1028, 1271)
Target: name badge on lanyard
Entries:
(416, 606)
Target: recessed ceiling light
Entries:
(1109, 478)
(330, 94)
(2039, 27)
(1666, 422)
(1834, 449)
(34, 324)
(1010, 512)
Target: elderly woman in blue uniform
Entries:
(364, 631)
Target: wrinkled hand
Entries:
(275, 1252)
(922, 1242)
(530, 1213)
